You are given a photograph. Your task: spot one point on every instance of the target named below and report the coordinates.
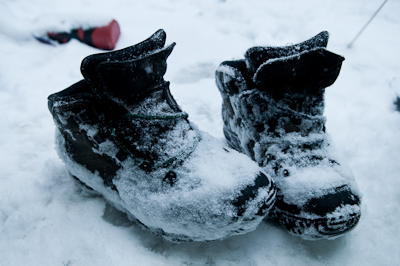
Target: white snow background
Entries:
(48, 218)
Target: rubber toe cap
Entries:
(250, 192)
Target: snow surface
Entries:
(48, 218)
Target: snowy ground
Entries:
(47, 218)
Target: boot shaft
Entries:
(127, 76)
(295, 75)
(128, 101)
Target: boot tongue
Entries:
(159, 104)
(256, 56)
(125, 76)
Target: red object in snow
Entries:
(106, 37)
(101, 37)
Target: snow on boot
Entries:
(273, 103)
(120, 132)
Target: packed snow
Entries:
(49, 218)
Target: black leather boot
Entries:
(273, 104)
(120, 132)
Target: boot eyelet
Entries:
(146, 166)
(285, 172)
(170, 178)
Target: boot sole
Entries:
(314, 229)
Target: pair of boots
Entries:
(121, 132)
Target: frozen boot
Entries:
(273, 103)
(121, 133)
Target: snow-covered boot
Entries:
(120, 132)
(273, 104)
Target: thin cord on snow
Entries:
(351, 44)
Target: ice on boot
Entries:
(273, 104)
(120, 132)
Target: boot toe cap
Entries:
(325, 217)
(328, 203)
(251, 192)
